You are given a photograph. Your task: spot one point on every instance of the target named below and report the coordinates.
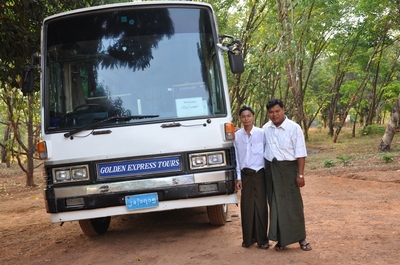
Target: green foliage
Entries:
(373, 129)
(387, 157)
(389, 96)
(344, 159)
(330, 45)
(329, 163)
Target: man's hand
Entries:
(239, 184)
(300, 182)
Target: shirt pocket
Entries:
(258, 148)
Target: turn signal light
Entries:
(229, 131)
(42, 150)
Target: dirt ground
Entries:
(352, 217)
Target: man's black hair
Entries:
(246, 108)
(273, 102)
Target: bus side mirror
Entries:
(234, 48)
(236, 61)
(27, 80)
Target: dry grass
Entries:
(358, 150)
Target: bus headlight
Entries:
(79, 173)
(62, 175)
(209, 159)
(198, 161)
(70, 174)
(216, 159)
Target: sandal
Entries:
(278, 247)
(264, 246)
(305, 245)
(252, 242)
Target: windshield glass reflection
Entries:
(132, 62)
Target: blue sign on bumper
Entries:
(138, 167)
(141, 201)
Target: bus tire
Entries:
(217, 214)
(96, 226)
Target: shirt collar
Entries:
(251, 131)
(283, 124)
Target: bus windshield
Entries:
(156, 62)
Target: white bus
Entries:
(135, 112)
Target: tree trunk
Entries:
(335, 99)
(5, 158)
(374, 96)
(346, 112)
(31, 147)
(23, 149)
(390, 127)
(331, 114)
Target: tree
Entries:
(19, 27)
(391, 127)
(377, 37)
(243, 87)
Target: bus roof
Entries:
(128, 4)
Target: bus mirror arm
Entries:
(222, 47)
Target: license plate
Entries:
(141, 201)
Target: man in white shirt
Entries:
(249, 146)
(285, 154)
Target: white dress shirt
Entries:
(285, 143)
(249, 150)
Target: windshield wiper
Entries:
(117, 118)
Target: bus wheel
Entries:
(217, 214)
(96, 226)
